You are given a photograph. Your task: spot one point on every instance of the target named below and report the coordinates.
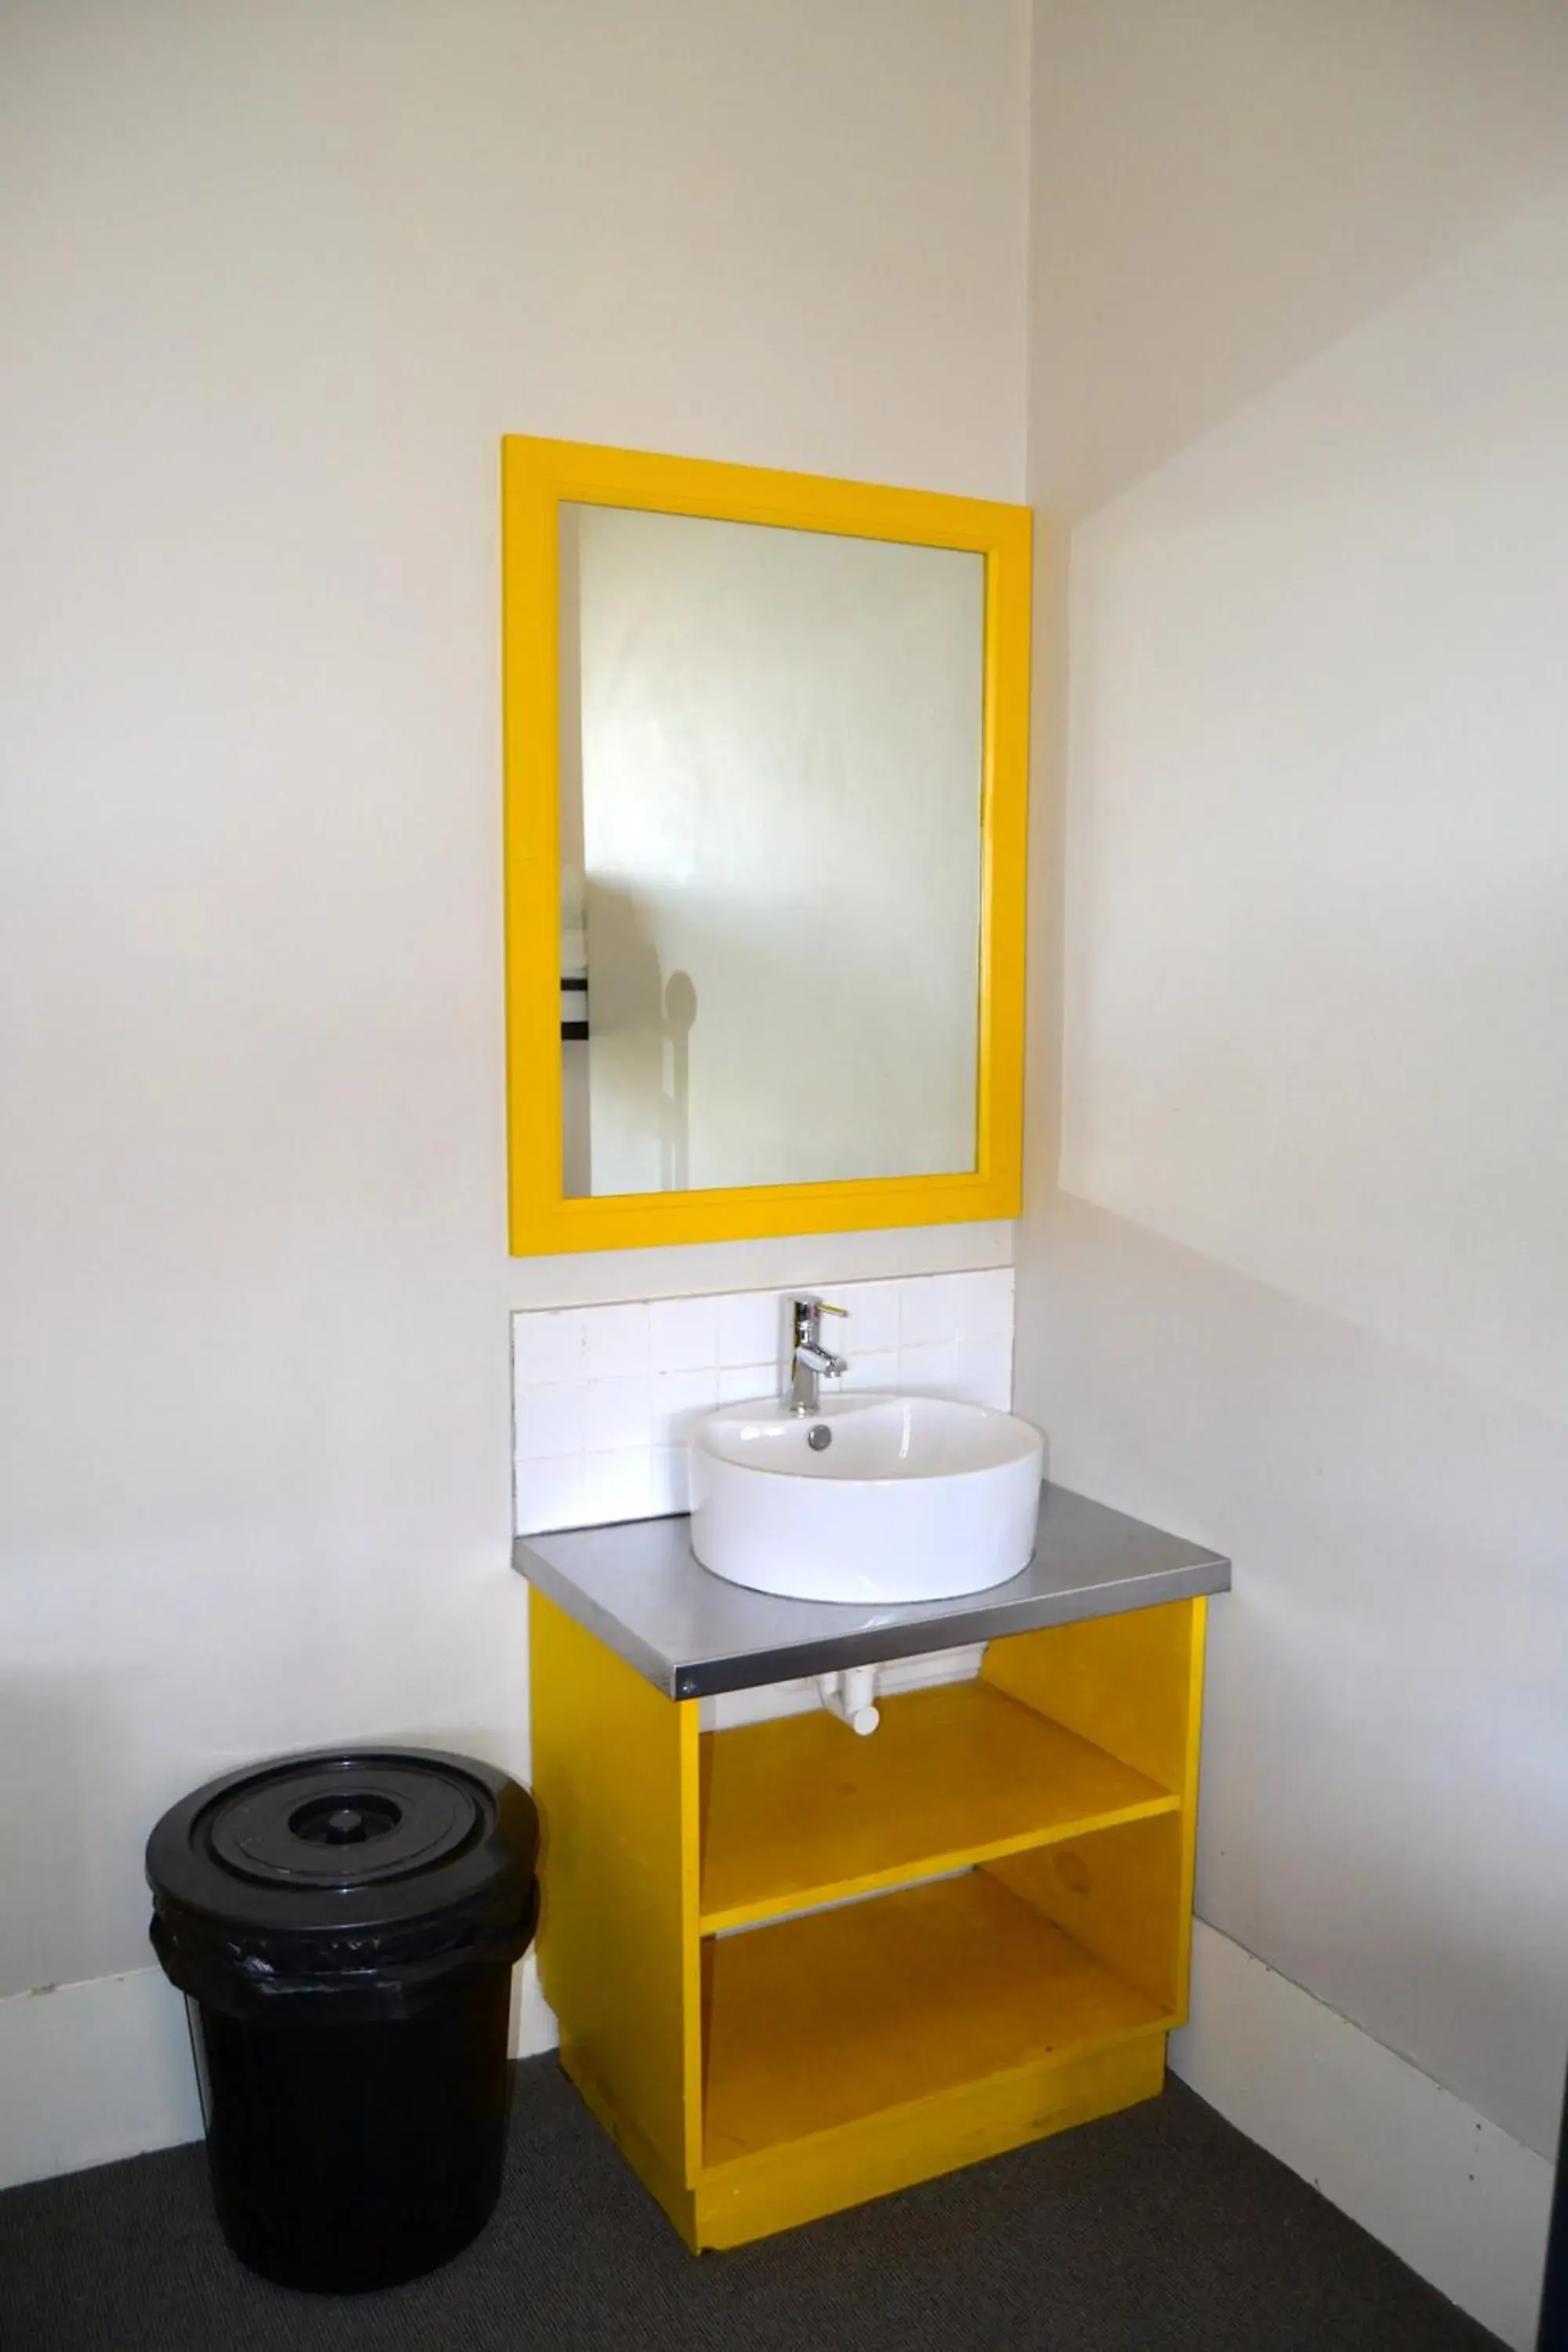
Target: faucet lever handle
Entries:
(809, 1360)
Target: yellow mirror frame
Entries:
(537, 478)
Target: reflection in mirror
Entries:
(770, 754)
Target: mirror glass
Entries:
(771, 763)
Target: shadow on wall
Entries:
(1317, 842)
(1166, 318)
(632, 1132)
(56, 1760)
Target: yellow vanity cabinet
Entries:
(794, 1969)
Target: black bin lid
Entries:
(339, 1859)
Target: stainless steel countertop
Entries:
(636, 1586)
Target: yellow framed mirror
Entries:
(766, 750)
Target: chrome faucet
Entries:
(809, 1360)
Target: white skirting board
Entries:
(1457, 2199)
(89, 2073)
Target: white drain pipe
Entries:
(852, 1697)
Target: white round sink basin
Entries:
(871, 1498)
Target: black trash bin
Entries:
(345, 1927)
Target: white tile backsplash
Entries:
(604, 1396)
(931, 1370)
(750, 1328)
(929, 1308)
(985, 1370)
(985, 1305)
(683, 1334)
(549, 1495)
(550, 1420)
(617, 1485)
(617, 1413)
(615, 1340)
(547, 1348)
(679, 1399)
(670, 1482)
(871, 1323)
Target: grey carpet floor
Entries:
(1158, 2230)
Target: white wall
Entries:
(1299, 1285)
(1317, 993)
(276, 280)
(1225, 185)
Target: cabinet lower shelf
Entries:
(826, 2019)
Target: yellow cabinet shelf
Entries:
(799, 1811)
(847, 2013)
(760, 2061)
